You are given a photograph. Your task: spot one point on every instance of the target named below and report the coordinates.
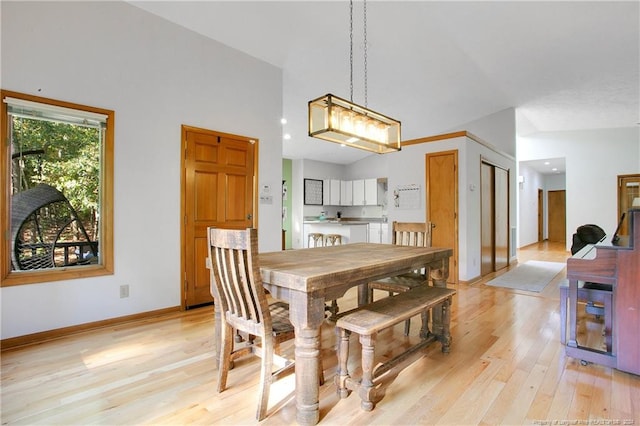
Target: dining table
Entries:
(307, 278)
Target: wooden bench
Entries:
(589, 293)
(368, 320)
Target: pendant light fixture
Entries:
(341, 121)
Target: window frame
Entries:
(8, 277)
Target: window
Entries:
(57, 174)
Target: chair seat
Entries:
(280, 318)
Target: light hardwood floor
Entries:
(506, 366)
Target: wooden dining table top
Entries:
(314, 269)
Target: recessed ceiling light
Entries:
(554, 169)
(546, 163)
(286, 136)
(283, 120)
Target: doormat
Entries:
(533, 275)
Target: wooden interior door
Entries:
(217, 190)
(487, 233)
(442, 203)
(494, 218)
(501, 218)
(628, 190)
(557, 215)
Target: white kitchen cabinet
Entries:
(384, 233)
(371, 192)
(358, 192)
(379, 233)
(346, 193)
(365, 192)
(374, 232)
(331, 192)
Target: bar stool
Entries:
(332, 239)
(317, 239)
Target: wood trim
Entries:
(11, 278)
(35, 338)
(489, 146)
(256, 195)
(487, 161)
(624, 201)
(183, 213)
(452, 135)
(471, 281)
(183, 209)
(454, 272)
(435, 138)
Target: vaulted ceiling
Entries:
(437, 65)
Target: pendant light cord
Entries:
(351, 49)
(366, 100)
(365, 54)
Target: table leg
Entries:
(307, 315)
(363, 295)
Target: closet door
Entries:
(494, 218)
(486, 219)
(501, 221)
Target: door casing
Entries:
(442, 203)
(218, 188)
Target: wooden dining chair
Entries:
(239, 296)
(416, 234)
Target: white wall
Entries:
(499, 129)
(594, 159)
(528, 205)
(408, 167)
(156, 76)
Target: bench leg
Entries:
(366, 386)
(342, 338)
(424, 331)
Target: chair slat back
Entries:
(417, 234)
(236, 284)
